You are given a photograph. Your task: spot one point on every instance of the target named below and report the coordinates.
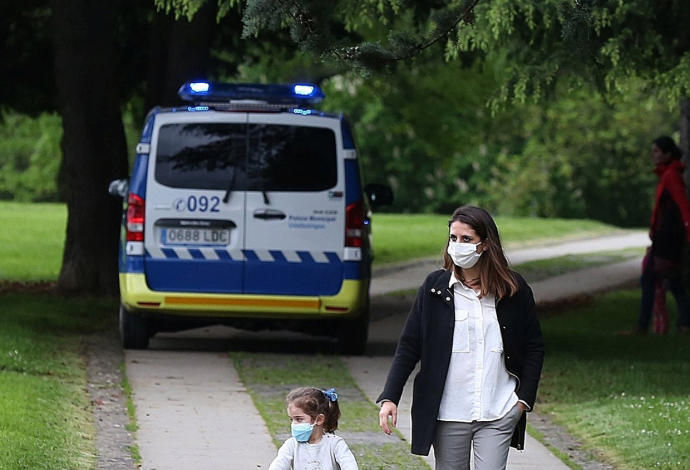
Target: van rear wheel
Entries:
(133, 330)
(352, 334)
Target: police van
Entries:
(246, 208)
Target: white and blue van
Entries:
(246, 208)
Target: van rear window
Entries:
(248, 157)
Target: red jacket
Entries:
(671, 180)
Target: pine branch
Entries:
(375, 56)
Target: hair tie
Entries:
(330, 394)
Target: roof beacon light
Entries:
(199, 87)
(304, 90)
(299, 94)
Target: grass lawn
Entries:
(626, 396)
(45, 411)
(399, 237)
(31, 240)
(544, 268)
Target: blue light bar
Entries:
(199, 87)
(210, 92)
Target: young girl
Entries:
(314, 415)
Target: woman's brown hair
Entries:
(494, 274)
(314, 401)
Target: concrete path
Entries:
(193, 411)
(410, 276)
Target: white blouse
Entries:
(478, 386)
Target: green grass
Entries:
(400, 237)
(269, 378)
(625, 396)
(31, 240)
(133, 424)
(544, 268)
(45, 412)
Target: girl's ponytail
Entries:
(333, 411)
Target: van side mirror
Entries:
(379, 195)
(118, 188)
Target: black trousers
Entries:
(675, 285)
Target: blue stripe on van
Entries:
(169, 253)
(209, 276)
(131, 264)
(137, 182)
(348, 141)
(353, 189)
(278, 256)
(286, 278)
(305, 256)
(353, 270)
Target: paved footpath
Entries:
(193, 411)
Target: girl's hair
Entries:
(668, 145)
(494, 274)
(313, 401)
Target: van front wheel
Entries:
(352, 334)
(133, 330)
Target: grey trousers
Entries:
(489, 439)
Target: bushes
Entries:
(30, 157)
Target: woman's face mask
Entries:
(464, 254)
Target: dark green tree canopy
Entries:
(606, 42)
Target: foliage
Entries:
(590, 41)
(29, 157)
(603, 42)
(427, 132)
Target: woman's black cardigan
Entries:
(428, 337)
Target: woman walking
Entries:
(669, 230)
(474, 331)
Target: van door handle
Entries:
(267, 214)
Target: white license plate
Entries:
(195, 236)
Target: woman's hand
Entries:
(388, 409)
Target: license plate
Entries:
(195, 236)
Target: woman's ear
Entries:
(320, 419)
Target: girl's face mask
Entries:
(302, 431)
(464, 254)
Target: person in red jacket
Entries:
(669, 230)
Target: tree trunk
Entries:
(93, 142)
(179, 51)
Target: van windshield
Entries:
(255, 157)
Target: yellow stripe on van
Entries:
(290, 303)
(136, 295)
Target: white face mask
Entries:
(464, 254)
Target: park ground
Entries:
(624, 399)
